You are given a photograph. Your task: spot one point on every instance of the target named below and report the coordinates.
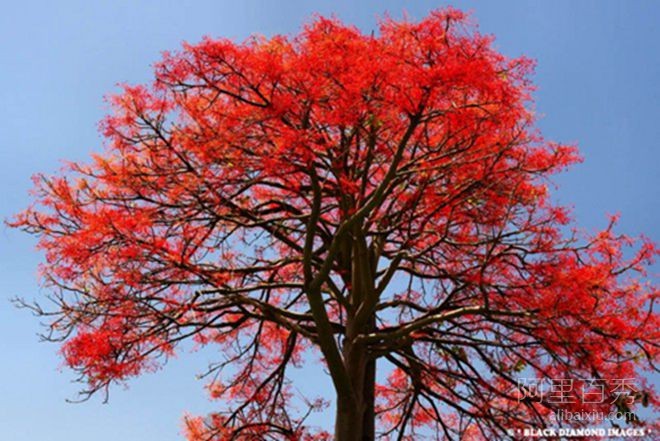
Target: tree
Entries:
(357, 198)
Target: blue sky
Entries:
(598, 70)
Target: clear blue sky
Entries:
(598, 71)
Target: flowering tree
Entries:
(363, 199)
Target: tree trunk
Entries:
(355, 419)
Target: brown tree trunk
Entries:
(355, 419)
(369, 398)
